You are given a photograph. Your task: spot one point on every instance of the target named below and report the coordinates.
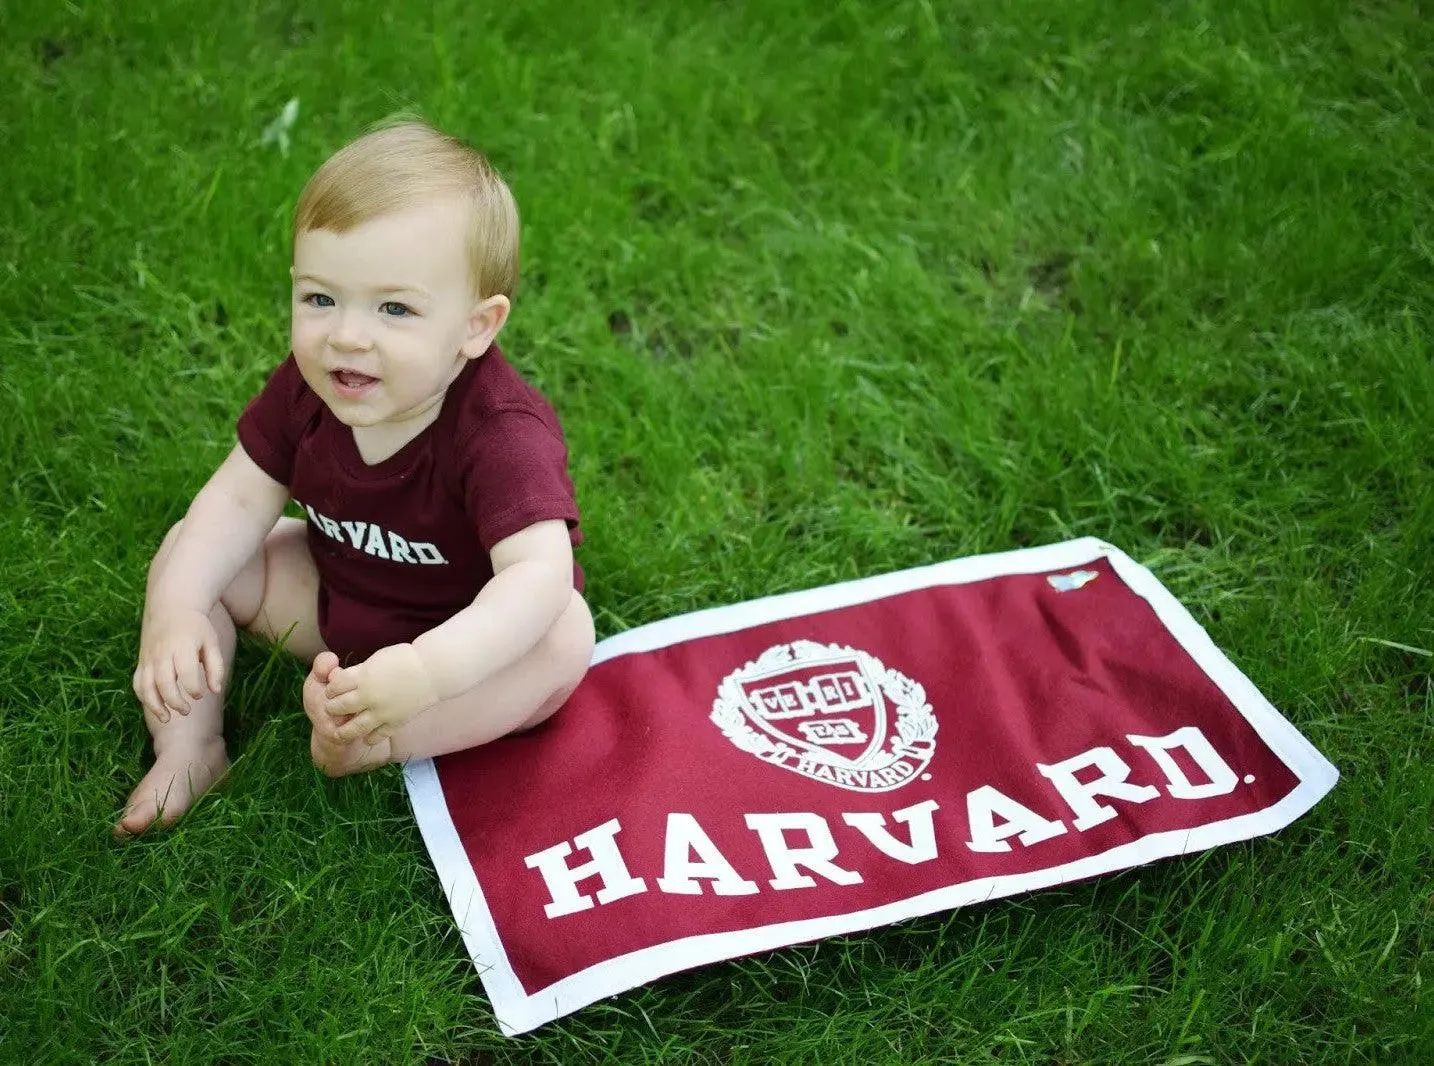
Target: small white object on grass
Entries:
(277, 132)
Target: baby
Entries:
(433, 585)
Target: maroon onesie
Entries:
(402, 545)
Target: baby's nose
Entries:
(349, 332)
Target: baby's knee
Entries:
(568, 644)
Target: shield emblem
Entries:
(829, 707)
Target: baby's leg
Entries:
(516, 698)
(275, 592)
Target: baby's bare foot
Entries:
(179, 776)
(338, 758)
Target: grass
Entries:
(821, 291)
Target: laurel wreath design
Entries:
(915, 720)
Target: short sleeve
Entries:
(515, 473)
(269, 427)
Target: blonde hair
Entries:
(400, 164)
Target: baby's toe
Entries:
(135, 821)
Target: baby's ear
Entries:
(484, 322)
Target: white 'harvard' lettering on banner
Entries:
(690, 857)
(374, 540)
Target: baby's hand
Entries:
(380, 694)
(178, 657)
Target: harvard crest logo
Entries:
(831, 713)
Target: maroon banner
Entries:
(813, 764)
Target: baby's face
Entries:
(381, 314)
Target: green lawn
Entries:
(821, 290)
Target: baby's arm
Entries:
(225, 525)
(223, 528)
(532, 585)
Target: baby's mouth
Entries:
(351, 379)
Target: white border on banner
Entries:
(517, 1012)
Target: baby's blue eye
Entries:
(396, 309)
(318, 299)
